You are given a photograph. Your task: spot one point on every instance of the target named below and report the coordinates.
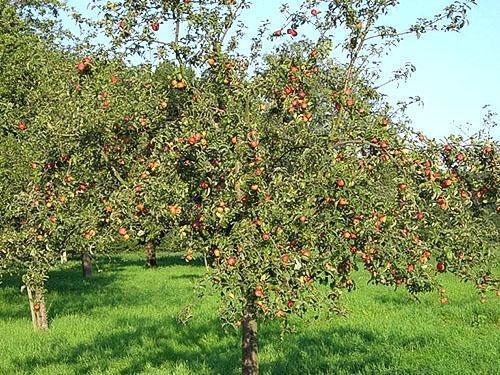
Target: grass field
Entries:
(123, 321)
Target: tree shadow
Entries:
(70, 293)
(148, 345)
(11, 297)
(162, 260)
(163, 342)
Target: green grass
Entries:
(123, 321)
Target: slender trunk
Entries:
(38, 309)
(150, 254)
(42, 312)
(249, 345)
(86, 264)
(32, 309)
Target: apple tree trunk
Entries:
(249, 344)
(86, 264)
(150, 254)
(38, 309)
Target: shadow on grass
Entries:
(76, 295)
(135, 260)
(148, 344)
(162, 344)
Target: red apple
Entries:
(440, 266)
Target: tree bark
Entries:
(249, 343)
(86, 265)
(38, 309)
(150, 254)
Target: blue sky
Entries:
(457, 73)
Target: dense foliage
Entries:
(285, 171)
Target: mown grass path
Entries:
(124, 321)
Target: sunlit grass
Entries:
(124, 321)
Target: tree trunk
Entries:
(86, 265)
(249, 345)
(150, 254)
(38, 309)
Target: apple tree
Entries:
(63, 113)
(298, 171)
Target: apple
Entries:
(440, 266)
(340, 182)
(81, 67)
(122, 231)
(290, 303)
(253, 144)
(266, 236)
(446, 183)
(36, 307)
(259, 292)
(22, 125)
(155, 26)
(305, 253)
(410, 267)
(231, 261)
(314, 12)
(420, 216)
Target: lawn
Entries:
(124, 321)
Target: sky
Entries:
(456, 73)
